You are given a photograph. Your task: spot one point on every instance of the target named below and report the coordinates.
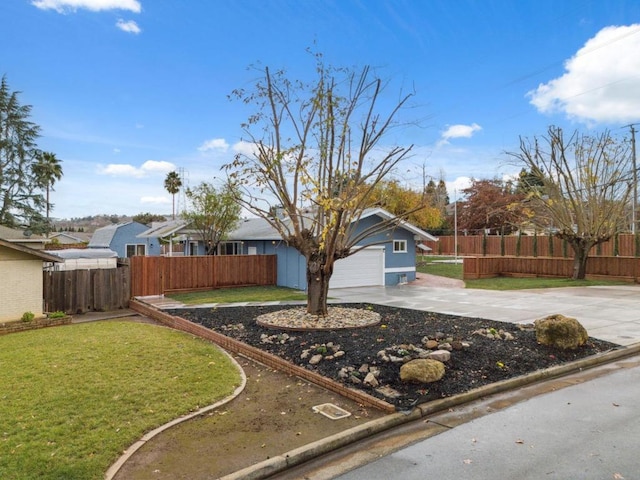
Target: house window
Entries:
(399, 246)
(136, 249)
(230, 248)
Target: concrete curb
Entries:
(307, 452)
(115, 467)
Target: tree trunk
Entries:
(580, 256)
(317, 286)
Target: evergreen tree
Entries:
(20, 200)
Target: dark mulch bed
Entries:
(485, 361)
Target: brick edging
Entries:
(258, 355)
(21, 326)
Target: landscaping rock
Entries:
(422, 371)
(561, 332)
(440, 355)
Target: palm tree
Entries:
(47, 170)
(172, 185)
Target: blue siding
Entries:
(396, 264)
(126, 235)
(291, 265)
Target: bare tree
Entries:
(584, 188)
(317, 154)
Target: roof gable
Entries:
(261, 229)
(47, 257)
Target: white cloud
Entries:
(219, 144)
(458, 131)
(155, 200)
(116, 151)
(158, 166)
(245, 148)
(62, 6)
(601, 82)
(128, 26)
(147, 168)
(454, 188)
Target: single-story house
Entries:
(389, 260)
(69, 238)
(123, 239)
(22, 237)
(21, 287)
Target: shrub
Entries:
(57, 314)
(27, 316)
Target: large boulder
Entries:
(559, 331)
(422, 370)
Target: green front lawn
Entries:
(439, 265)
(241, 294)
(445, 267)
(75, 397)
(513, 283)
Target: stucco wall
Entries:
(20, 284)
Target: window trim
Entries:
(236, 247)
(136, 247)
(402, 245)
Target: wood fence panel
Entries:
(492, 245)
(81, 291)
(614, 268)
(160, 275)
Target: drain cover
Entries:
(332, 411)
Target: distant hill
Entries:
(88, 224)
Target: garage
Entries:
(363, 269)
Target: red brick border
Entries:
(265, 358)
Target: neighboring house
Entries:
(69, 238)
(123, 239)
(21, 288)
(390, 261)
(171, 232)
(22, 237)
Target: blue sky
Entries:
(127, 90)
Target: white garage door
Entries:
(363, 269)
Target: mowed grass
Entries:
(513, 283)
(241, 294)
(438, 266)
(75, 397)
(441, 266)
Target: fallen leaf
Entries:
(616, 404)
(467, 461)
(617, 476)
(520, 441)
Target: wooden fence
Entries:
(624, 245)
(160, 275)
(81, 291)
(612, 268)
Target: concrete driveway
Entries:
(610, 313)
